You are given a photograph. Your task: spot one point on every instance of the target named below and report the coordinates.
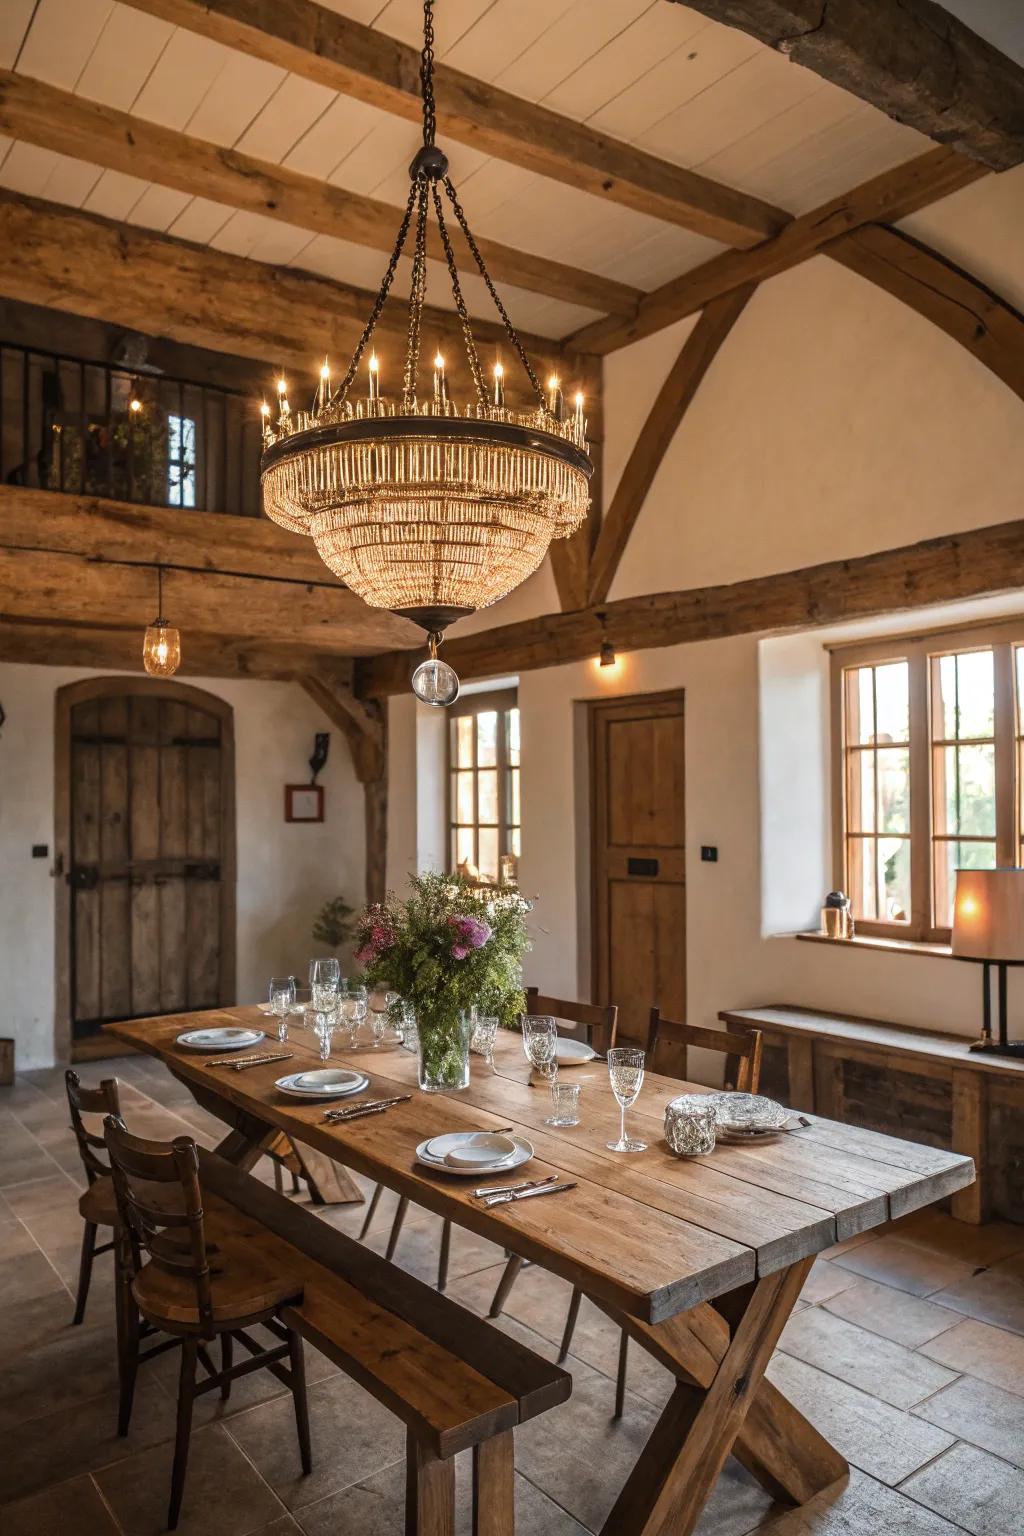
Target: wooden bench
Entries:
(454, 1380)
(909, 1082)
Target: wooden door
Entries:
(638, 858)
(148, 855)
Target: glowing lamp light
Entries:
(135, 405)
(161, 645)
(988, 927)
(607, 657)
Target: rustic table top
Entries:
(649, 1233)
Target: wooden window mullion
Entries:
(920, 794)
(1005, 752)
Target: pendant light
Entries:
(161, 648)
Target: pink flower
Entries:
(459, 952)
(470, 933)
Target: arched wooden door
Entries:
(145, 842)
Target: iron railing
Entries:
(102, 429)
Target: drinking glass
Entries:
(540, 1042)
(353, 1008)
(403, 1017)
(626, 1072)
(281, 996)
(485, 1030)
(324, 981)
(380, 1003)
(324, 1022)
(565, 1104)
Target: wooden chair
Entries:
(196, 1281)
(599, 1025)
(98, 1205)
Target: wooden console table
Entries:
(908, 1082)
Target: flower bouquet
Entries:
(445, 948)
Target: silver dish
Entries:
(747, 1112)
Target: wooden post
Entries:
(970, 1136)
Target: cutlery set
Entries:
(501, 1194)
(239, 1063)
(359, 1111)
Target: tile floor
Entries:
(907, 1350)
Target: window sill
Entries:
(891, 946)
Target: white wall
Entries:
(833, 422)
(285, 871)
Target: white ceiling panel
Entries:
(236, 95)
(293, 109)
(690, 74)
(200, 220)
(126, 52)
(570, 40)
(115, 195)
(263, 239)
(335, 134)
(784, 134)
(158, 207)
(70, 181)
(657, 33)
(404, 19)
(502, 35)
(15, 16)
(27, 168)
(62, 36)
(180, 79)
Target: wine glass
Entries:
(324, 1022)
(403, 1017)
(324, 981)
(353, 1008)
(381, 1002)
(540, 1043)
(485, 1030)
(626, 1072)
(281, 995)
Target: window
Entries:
(483, 786)
(181, 461)
(929, 771)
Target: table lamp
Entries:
(988, 928)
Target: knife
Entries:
(526, 1194)
(355, 1109)
(362, 1110)
(505, 1189)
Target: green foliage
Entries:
(334, 923)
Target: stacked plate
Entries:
(472, 1153)
(322, 1083)
(747, 1116)
(573, 1053)
(235, 1039)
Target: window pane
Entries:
(464, 741)
(965, 791)
(860, 710)
(966, 695)
(515, 841)
(513, 797)
(892, 702)
(893, 856)
(949, 857)
(893, 769)
(464, 797)
(489, 854)
(464, 845)
(861, 791)
(860, 876)
(513, 736)
(487, 738)
(487, 795)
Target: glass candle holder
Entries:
(690, 1125)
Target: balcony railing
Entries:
(101, 429)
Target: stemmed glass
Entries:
(324, 1023)
(485, 1030)
(381, 1003)
(282, 997)
(540, 1043)
(324, 980)
(353, 1008)
(626, 1071)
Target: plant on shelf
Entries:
(334, 924)
(447, 948)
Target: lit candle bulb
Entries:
(499, 384)
(323, 394)
(440, 383)
(555, 397)
(579, 409)
(374, 370)
(265, 419)
(282, 398)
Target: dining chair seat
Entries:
(99, 1203)
(243, 1288)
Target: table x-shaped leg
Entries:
(722, 1403)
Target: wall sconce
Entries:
(606, 656)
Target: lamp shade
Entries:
(988, 914)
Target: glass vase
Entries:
(443, 1052)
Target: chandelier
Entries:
(419, 506)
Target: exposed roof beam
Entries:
(698, 352)
(911, 58)
(112, 271)
(54, 644)
(360, 61)
(892, 195)
(72, 125)
(942, 569)
(989, 328)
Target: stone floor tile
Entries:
(352, 1435)
(825, 1280)
(859, 1507)
(992, 1296)
(27, 1324)
(847, 1244)
(978, 1492)
(886, 1370)
(896, 1315)
(15, 1238)
(982, 1414)
(223, 1491)
(29, 1275)
(906, 1266)
(22, 1160)
(72, 1365)
(990, 1354)
(882, 1441)
(246, 1393)
(419, 1247)
(74, 1508)
(49, 1209)
(977, 1246)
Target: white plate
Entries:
(328, 1083)
(573, 1053)
(472, 1149)
(236, 1039)
(264, 1008)
(522, 1154)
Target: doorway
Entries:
(145, 855)
(638, 840)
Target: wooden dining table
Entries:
(700, 1260)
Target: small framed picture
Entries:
(303, 802)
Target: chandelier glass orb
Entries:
(420, 506)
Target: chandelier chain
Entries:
(382, 294)
(417, 292)
(427, 74)
(512, 333)
(460, 304)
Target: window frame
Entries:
(500, 700)
(919, 650)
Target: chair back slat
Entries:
(161, 1206)
(599, 1023)
(103, 1100)
(741, 1048)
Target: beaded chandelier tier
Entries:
(420, 507)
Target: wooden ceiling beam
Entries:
(983, 323)
(892, 195)
(72, 125)
(87, 265)
(698, 352)
(911, 58)
(360, 61)
(943, 569)
(50, 643)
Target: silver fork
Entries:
(527, 1194)
(504, 1189)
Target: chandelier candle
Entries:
(419, 504)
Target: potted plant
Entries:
(334, 925)
(446, 948)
